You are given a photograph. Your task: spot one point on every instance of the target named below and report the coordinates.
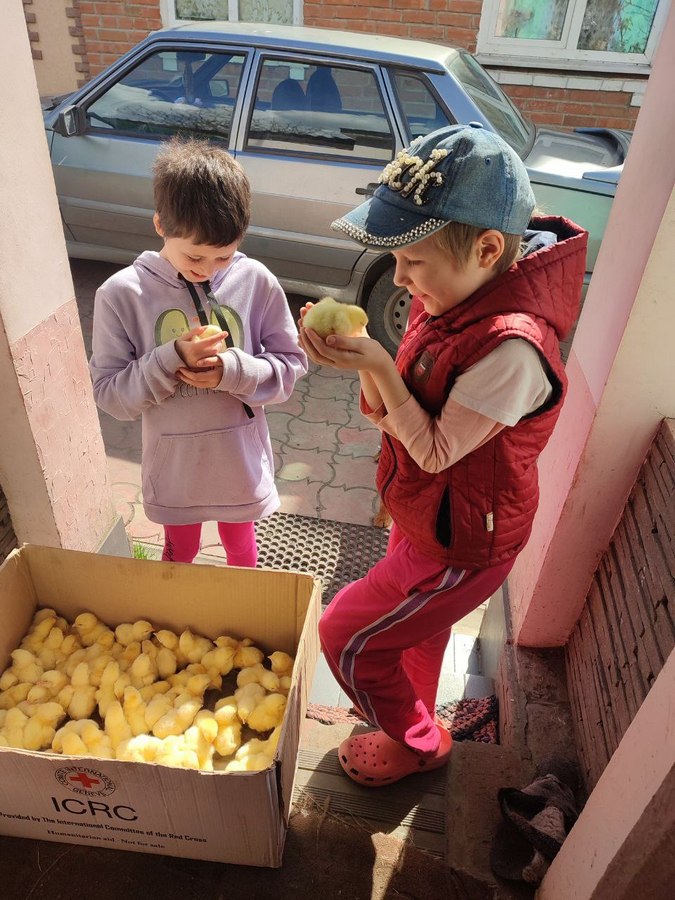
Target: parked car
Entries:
(313, 115)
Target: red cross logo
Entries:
(84, 780)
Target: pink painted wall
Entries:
(52, 458)
(621, 374)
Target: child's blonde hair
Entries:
(459, 239)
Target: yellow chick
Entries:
(209, 331)
(156, 707)
(200, 737)
(258, 673)
(173, 752)
(169, 640)
(8, 679)
(219, 660)
(194, 646)
(178, 719)
(228, 738)
(268, 713)
(255, 754)
(40, 729)
(150, 690)
(166, 661)
(70, 728)
(89, 628)
(247, 698)
(330, 317)
(96, 740)
(15, 694)
(284, 684)
(134, 708)
(11, 733)
(129, 632)
(143, 670)
(25, 665)
(116, 726)
(282, 663)
(83, 700)
(140, 748)
(247, 655)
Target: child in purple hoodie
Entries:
(207, 454)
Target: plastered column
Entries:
(52, 458)
(621, 372)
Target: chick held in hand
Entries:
(330, 317)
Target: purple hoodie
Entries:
(203, 459)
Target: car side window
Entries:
(308, 108)
(421, 110)
(172, 92)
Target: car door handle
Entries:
(369, 189)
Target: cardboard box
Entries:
(238, 817)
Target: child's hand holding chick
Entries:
(330, 317)
(339, 338)
(198, 348)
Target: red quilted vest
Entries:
(478, 512)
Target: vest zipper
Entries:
(389, 480)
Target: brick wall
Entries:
(111, 27)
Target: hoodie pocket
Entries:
(228, 467)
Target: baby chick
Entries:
(141, 748)
(255, 754)
(194, 646)
(89, 629)
(282, 663)
(258, 673)
(247, 655)
(40, 729)
(228, 738)
(247, 698)
(178, 719)
(330, 317)
(116, 726)
(134, 708)
(268, 713)
(129, 632)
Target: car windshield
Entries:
(492, 102)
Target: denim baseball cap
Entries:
(462, 173)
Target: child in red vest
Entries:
(465, 411)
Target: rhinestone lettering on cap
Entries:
(412, 174)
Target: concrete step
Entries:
(475, 774)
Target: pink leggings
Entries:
(181, 543)
(384, 636)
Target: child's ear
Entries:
(157, 224)
(490, 248)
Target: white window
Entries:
(282, 12)
(590, 35)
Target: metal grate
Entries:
(335, 552)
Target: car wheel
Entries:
(388, 308)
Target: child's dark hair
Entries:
(201, 193)
(459, 239)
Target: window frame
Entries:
(169, 19)
(562, 54)
(285, 57)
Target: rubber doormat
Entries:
(335, 552)
(467, 719)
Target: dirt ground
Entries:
(325, 857)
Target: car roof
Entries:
(367, 47)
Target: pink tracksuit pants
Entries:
(384, 636)
(181, 542)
